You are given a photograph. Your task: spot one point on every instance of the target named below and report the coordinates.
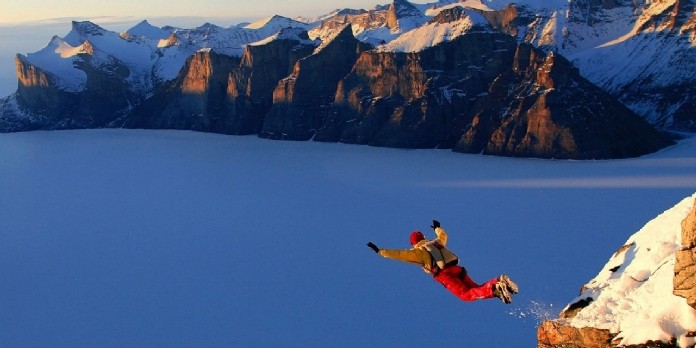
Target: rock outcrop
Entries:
(625, 292)
(685, 266)
(557, 334)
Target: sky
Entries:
(18, 11)
(135, 238)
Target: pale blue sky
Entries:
(18, 11)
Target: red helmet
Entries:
(416, 236)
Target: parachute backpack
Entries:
(441, 256)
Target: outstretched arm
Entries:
(417, 256)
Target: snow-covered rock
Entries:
(641, 51)
(632, 301)
(446, 26)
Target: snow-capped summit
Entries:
(137, 55)
(446, 26)
(276, 23)
(147, 30)
(58, 59)
(87, 28)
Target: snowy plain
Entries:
(133, 238)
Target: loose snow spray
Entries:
(536, 310)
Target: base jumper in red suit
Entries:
(442, 264)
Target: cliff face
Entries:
(543, 106)
(483, 93)
(37, 91)
(218, 93)
(633, 294)
(301, 100)
(195, 100)
(379, 103)
(251, 85)
(685, 266)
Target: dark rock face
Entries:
(105, 100)
(508, 20)
(250, 87)
(378, 104)
(484, 93)
(196, 100)
(301, 100)
(222, 94)
(543, 107)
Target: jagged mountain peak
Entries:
(208, 26)
(276, 22)
(340, 33)
(87, 28)
(403, 16)
(147, 30)
(404, 8)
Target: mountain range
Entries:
(582, 79)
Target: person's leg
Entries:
(470, 282)
(465, 289)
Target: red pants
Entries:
(462, 286)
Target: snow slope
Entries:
(432, 34)
(636, 300)
(124, 238)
